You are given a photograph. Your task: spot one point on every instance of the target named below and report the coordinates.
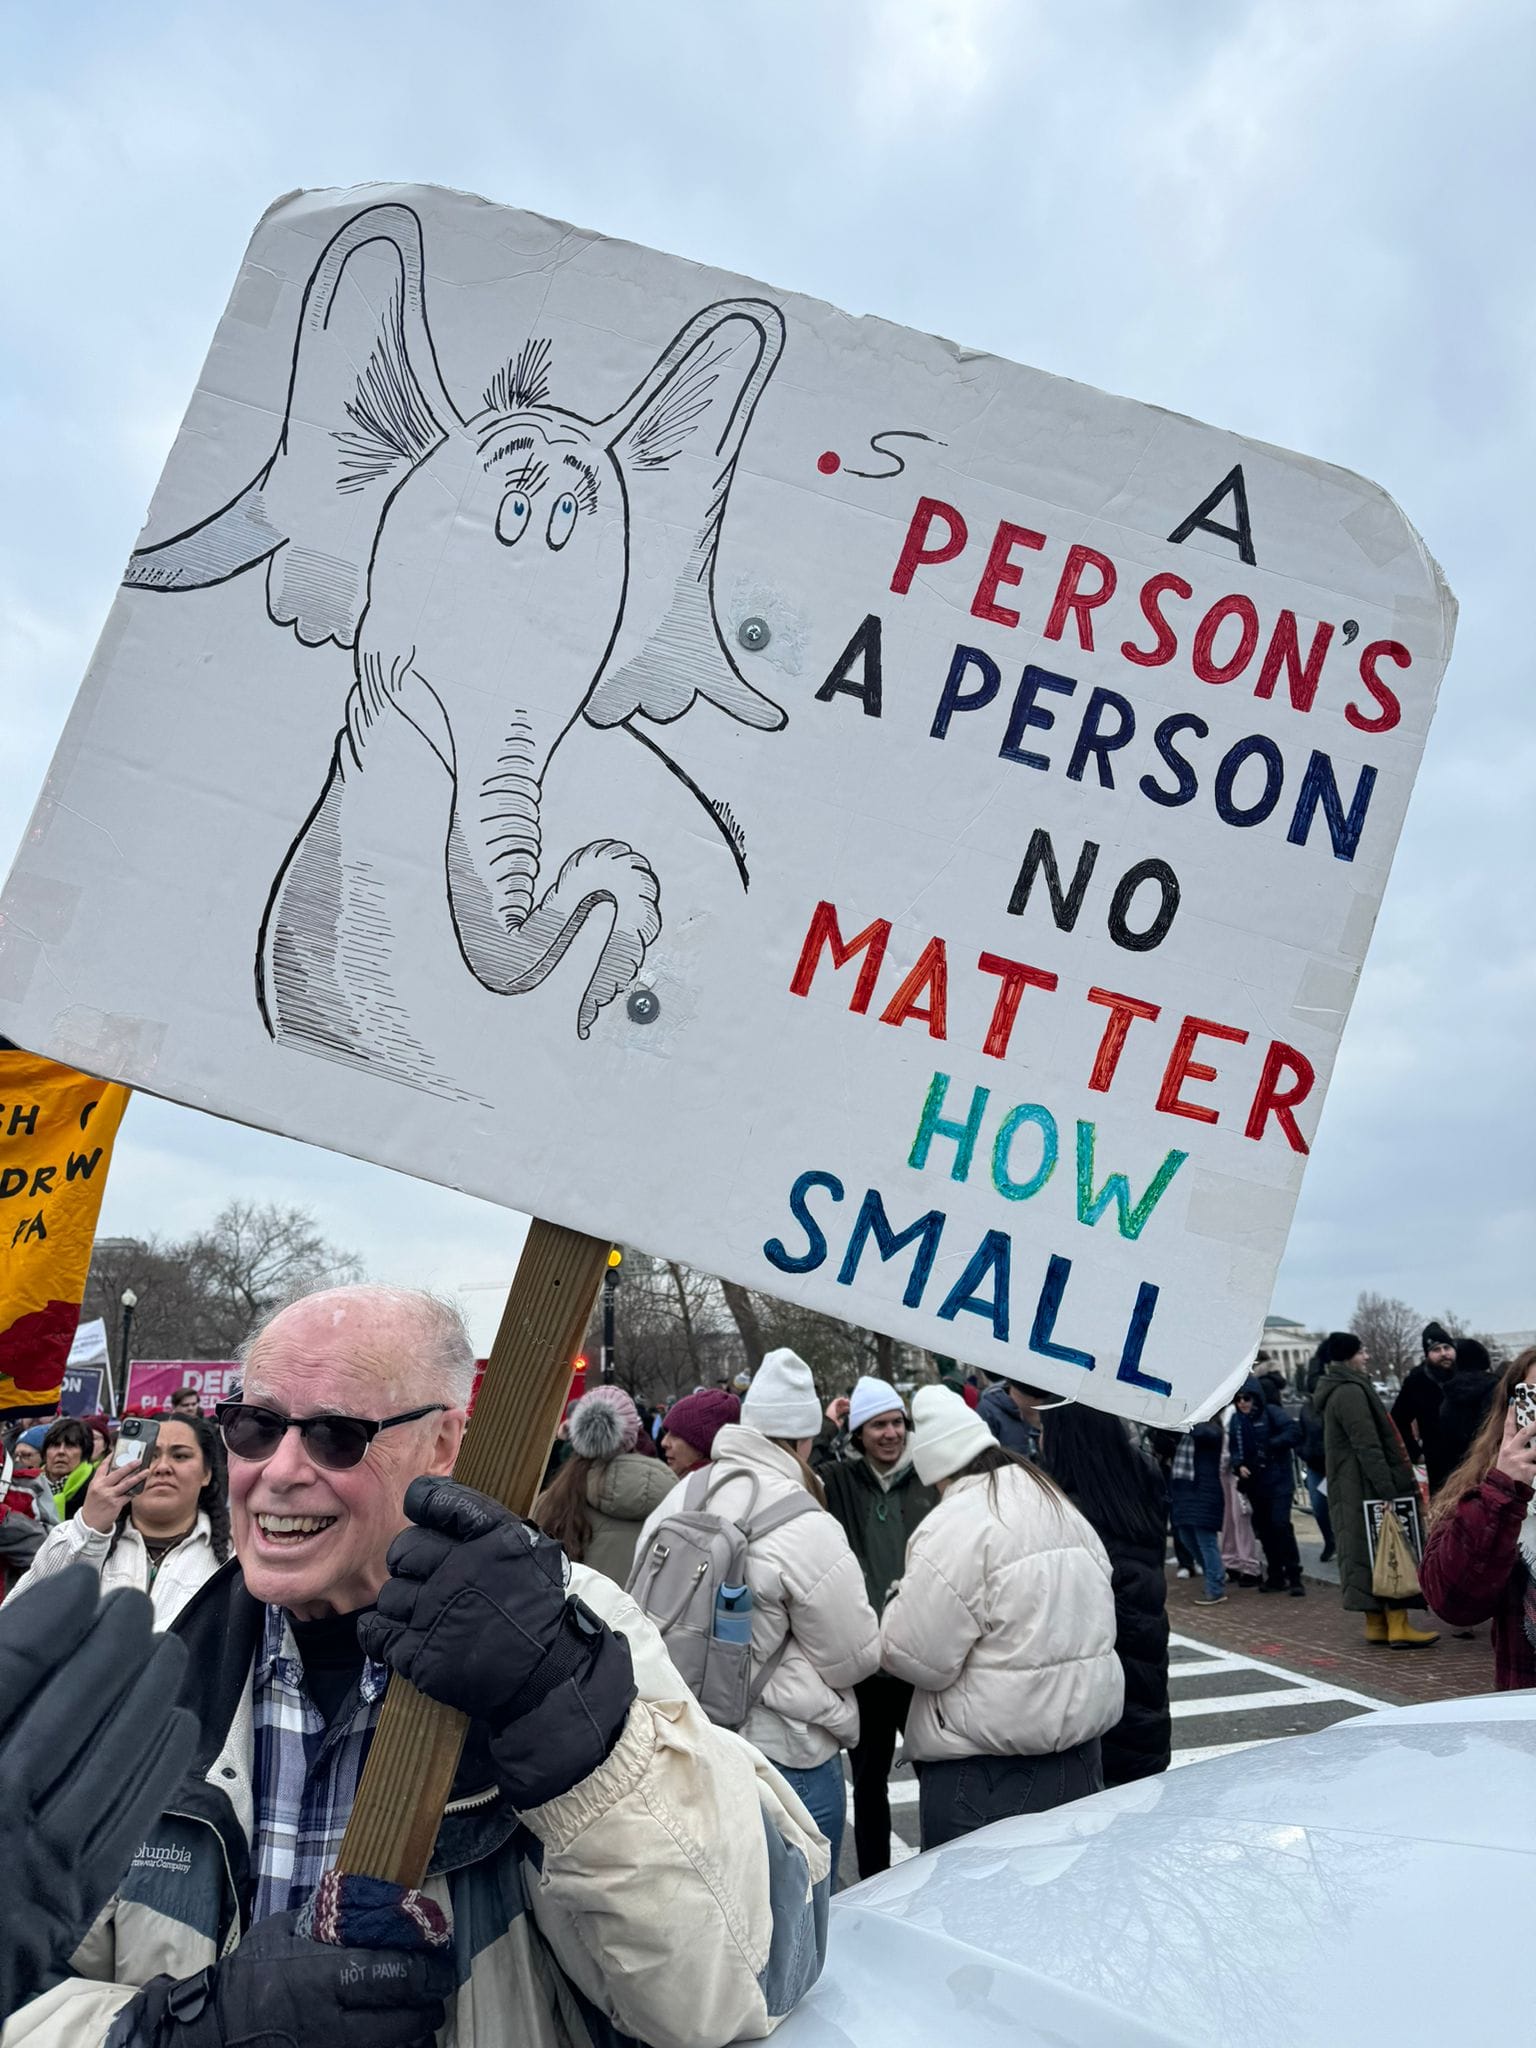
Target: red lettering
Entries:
(1182, 1067)
(1272, 1100)
(1284, 651)
(1167, 644)
(823, 930)
(1121, 1010)
(1016, 978)
(1234, 607)
(1072, 598)
(930, 977)
(1391, 710)
(915, 551)
(1001, 569)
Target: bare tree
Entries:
(1390, 1330)
(201, 1297)
(743, 1308)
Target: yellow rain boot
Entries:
(1402, 1635)
(1376, 1627)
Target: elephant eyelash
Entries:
(586, 487)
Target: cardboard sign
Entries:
(56, 1133)
(80, 1393)
(89, 1344)
(882, 824)
(152, 1381)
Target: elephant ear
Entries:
(676, 442)
(366, 405)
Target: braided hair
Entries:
(213, 1498)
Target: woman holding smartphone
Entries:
(160, 1524)
(1480, 1555)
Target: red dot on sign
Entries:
(829, 464)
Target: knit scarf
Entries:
(1183, 1467)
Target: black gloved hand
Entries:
(476, 1614)
(278, 1990)
(91, 1746)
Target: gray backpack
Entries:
(677, 1580)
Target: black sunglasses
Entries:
(335, 1442)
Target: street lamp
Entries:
(130, 1302)
(610, 1289)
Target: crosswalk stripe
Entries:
(1253, 1702)
(1327, 1688)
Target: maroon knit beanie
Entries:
(697, 1417)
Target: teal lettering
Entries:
(932, 1125)
(1130, 1217)
(1021, 1190)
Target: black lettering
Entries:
(23, 1120)
(1158, 872)
(82, 1164)
(1040, 858)
(1200, 521)
(42, 1180)
(863, 648)
(12, 1182)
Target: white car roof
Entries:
(1360, 1885)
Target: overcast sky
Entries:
(1305, 221)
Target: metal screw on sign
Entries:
(753, 635)
(644, 1006)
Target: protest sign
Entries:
(885, 825)
(89, 1343)
(152, 1381)
(80, 1391)
(56, 1133)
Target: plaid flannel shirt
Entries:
(306, 1775)
(1184, 1461)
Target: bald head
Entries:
(400, 1342)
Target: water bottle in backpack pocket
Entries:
(691, 1579)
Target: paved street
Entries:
(1261, 1667)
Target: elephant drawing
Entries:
(496, 576)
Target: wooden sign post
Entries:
(415, 1753)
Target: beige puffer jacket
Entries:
(1004, 1621)
(805, 1583)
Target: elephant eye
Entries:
(513, 517)
(562, 520)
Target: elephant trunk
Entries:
(509, 941)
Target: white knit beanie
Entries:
(947, 1434)
(781, 1400)
(872, 1397)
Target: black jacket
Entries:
(1463, 1407)
(1416, 1411)
(1139, 1744)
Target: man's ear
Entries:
(450, 1434)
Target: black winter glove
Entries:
(278, 1990)
(91, 1746)
(476, 1614)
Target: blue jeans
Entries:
(824, 1796)
(1320, 1512)
(1206, 1545)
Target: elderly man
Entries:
(609, 1860)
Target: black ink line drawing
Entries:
(893, 455)
(497, 576)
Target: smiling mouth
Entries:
(292, 1532)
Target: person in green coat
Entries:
(1365, 1461)
(874, 1492)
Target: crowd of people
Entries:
(709, 1613)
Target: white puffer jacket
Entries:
(1004, 1621)
(806, 1583)
(126, 1563)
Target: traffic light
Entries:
(615, 1257)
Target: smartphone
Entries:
(1524, 1398)
(135, 1444)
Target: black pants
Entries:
(964, 1793)
(1272, 1526)
(883, 1703)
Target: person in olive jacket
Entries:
(1366, 1461)
(875, 1494)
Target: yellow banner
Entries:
(56, 1133)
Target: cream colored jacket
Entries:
(807, 1585)
(1005, 1623)
(181, 1572)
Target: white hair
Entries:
(442, 1354)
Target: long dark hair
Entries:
(213, 1497)
(1479, 1461)
(561, 1509)
(994, 1459)
(1111, 1483)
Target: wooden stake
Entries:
(415, 1752)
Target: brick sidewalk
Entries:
(1315, 1636)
